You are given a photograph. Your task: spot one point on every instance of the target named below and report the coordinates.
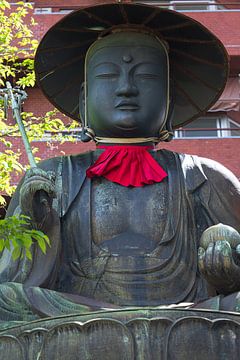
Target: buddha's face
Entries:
(127, 87)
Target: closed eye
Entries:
(147, 76)
(107, 76)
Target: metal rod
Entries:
(22, 130)
(206, 129)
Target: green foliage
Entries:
(17, 50)
(8, 163)
(16, 236)
(50, 123)
(16, 43)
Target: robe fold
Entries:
(200, 193)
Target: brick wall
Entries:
(39, 105)
(225, 25)
(79, 3)
(36, 102)
(234, 4)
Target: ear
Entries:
(168, 125)
(86, 134)
(82, 103)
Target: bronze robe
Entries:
(201, 193)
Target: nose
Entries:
(126, 86)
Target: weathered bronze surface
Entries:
(198, 60)
(116, 247)
(127, 334)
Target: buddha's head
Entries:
(125, 75)
(127, 85)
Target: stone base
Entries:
(147, 333)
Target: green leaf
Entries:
(7, 245)
(37, 234)
(2, 201)
(2, 244)
(15, 232)
(46, 238)
(42, 244)
(28, 254)
(16, 253)
(26, 240)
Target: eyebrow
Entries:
(148, 63)
(117, 65)
(106, 63)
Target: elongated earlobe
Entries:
(87, 133)
(168, 129)
(82, 103)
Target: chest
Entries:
(117, 209)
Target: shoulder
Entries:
(213, 171)
(197, 170)
(54, 163)
(220, 192)
(219, 174)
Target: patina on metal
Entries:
(117, 247)
(14, 97)
(198, 60)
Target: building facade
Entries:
(215, 136)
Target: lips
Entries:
(126, 127)
(127, 106)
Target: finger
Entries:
(232, 269)
(201, 258)
(33, 171)
(30, 188)
(49, 175)
(222, 257)
(236, 255)
(228, 270)
(45, 203)
(208, 260)
(34, 185)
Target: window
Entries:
(198, 5)
(209, 127)
(53, 10)
(65, 11)
(68, 135)
(234, 129)
(43, 10)
(186, 5)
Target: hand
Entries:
(37, 193)
(219, 259)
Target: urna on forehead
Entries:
(128, 39)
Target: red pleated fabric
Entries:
(127, 166)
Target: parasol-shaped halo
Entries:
(198, 60)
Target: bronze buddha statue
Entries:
(113, 245)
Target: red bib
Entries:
(127, 166)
